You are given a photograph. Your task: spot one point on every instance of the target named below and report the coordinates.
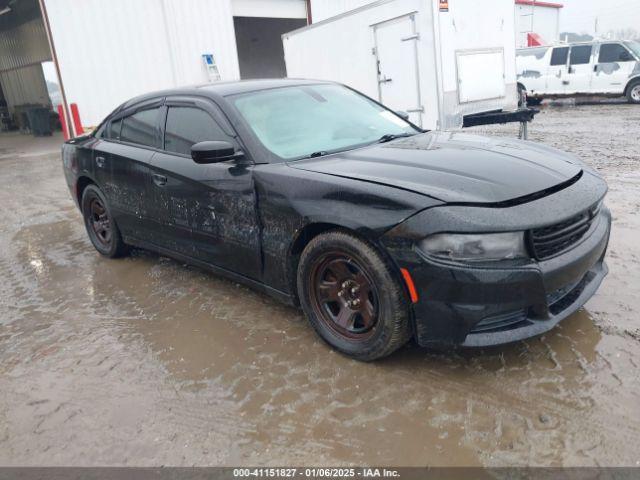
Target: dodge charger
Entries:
(325, 199)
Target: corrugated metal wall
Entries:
(24, 86)
(111, 51)
(24, 45)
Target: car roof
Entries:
(571, 44)
(223, 89)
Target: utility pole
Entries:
(596, 28)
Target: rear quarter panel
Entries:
(77, 162)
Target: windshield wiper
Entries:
(392, 136)
(319, 153)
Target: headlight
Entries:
(475, 247)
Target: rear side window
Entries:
(188, 125)
(559, 56)
(140, 128)
(613, 52)
(581, 55)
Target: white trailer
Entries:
(443, 62)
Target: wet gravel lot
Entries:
(146, 361)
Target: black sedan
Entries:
(319, 196)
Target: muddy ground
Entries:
(146, 361)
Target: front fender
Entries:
(290, 200)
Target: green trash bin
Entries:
(39, 121)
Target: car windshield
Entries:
(635, 47)
(313, 120)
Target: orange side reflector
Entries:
(413, 294)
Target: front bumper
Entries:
(473, 305)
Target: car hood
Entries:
(454, 167)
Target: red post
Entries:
(63, 122)
(77, 125)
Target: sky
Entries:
(579, 15)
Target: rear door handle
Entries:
(100, 161)
(159, 180)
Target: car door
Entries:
(613, 69)
(122, 167)
(557, 71)
(205, 211)
(580, 69)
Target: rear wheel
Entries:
(352, 297)
(101, 227)
(633, 92)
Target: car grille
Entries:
(501, 322)
(564, 297)
(547, 242)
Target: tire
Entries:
(352, 296)
(534, 101)
(633, 92)
(101, 227)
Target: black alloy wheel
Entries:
(344, 296)
(101, 227)
(353, 296)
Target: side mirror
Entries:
(213, 152)
(402, 114)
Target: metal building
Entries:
(105, 52)
(537, 23)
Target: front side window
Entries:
(613, 52)
(294, 122)
(113, 130)
(635, 48)
(580, 55)
(559, 56)
(140, 128)
(187, 126)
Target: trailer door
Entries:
(397, 59)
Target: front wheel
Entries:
(633, 93)
(101, 227)
(352, 297)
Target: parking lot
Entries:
(146, 361)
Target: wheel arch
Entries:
(297, 246)
(632, 81)
(81, 184)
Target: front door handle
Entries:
(100, 161)
(159, 180)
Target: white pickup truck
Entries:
(607, 68)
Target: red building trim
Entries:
(539, 4)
